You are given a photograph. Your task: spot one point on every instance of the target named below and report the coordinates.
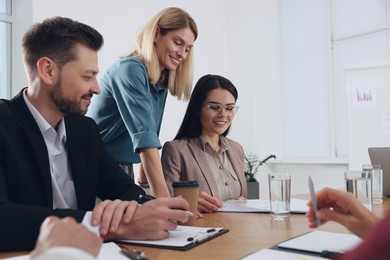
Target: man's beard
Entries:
(66, 106)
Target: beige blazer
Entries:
(185, 160)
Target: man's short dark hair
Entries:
(56, 38)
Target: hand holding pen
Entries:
(145, 198)
(343, 208)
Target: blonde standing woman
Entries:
(134, 89)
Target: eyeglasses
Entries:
(216, 109)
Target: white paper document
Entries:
(266, 254)
(315, 242)
(111, 251)
(319, 241)
(181, 237)
(261, 205)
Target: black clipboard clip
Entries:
(202, 236)
(330, 254)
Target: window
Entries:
(5, 48)
(5, 59)
(360, 35)
(313, 57)
(304, 73)
(5, 7)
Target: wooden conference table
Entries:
(248, 233)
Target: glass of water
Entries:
(359, 183)
(377, 182)
(279, 195)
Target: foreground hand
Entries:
(152, 220)
(66, 232)
(343, 208)
(109, 214)
(208, 203)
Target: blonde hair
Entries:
(179, 81)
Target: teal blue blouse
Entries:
(129, 110)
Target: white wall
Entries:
(237, 39)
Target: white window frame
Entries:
(8, 18)
(340, 149)
(335, 156)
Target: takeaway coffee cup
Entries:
(189, 190)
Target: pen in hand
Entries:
(146, 198)
(314, 202)
(133, 254)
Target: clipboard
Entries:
(319, 243)
(183, 238)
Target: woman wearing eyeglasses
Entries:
(201, 151)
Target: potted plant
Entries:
(252, 164)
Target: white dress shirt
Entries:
(64, 193)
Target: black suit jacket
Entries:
(25, 181)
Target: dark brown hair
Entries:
(56, 38)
